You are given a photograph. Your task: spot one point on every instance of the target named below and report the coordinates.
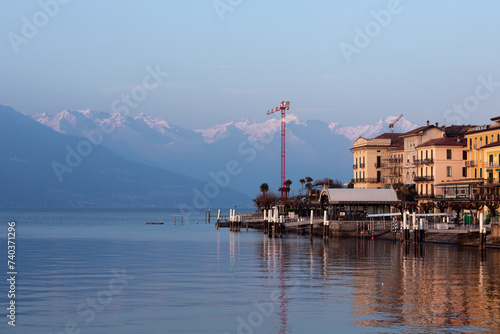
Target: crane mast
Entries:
(282, 107)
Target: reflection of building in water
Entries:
(442, 289)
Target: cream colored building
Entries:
(367, 158)
(412, 139)
(439, 160)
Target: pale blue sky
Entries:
(427, 59)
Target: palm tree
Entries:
(264, 187)
(309, 183)
(288, 183)
(302, 181)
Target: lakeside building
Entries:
(440, 160)
(367, 166)
(355, 204)
(412, 140)
(483, 158)
(455, 163)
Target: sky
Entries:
(198, 63)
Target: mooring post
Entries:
(218, 216)
(209, 216)
(482, 232)
(311, 225)
(326, 225)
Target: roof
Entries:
(444, 142)
(457, 130)
(336, 195)
(483, 128)
(495, 119)
(494, 144)
(417, 130)
(396, 139)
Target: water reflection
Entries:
(406, 287)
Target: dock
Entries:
(275, 225)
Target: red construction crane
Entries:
(283, 106)
(391, 125)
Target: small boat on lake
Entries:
(154, 223)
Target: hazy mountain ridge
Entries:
(40, 167)
(314, 148)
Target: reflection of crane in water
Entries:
(283, 298)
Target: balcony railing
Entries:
(470, 163)
(491, 181)
(355, 166)
(365, 180)
(491, 164)
(423, 178)
(393, 160)
(419, 162)
(362, 165)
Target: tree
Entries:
(493, 206)
(302, 181)
(288, 183)
(265, 201)
(309, 181)
(264, 188)
(329, 183)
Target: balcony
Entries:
(423, 162)
(492, 181)
(366, 180)
(362, 165)
(423, 179)
(470, 163)
(491, 164)
(354, 166)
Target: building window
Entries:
(464, 155)
(480, 142)
(486, 140)
(480, 172)
(448, 171)
(432, 154)
(464, 171)
(470, 144)
(475, 173)
(448, 154)
(498, 137)
(475, 143)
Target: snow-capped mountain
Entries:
(370, 131)
(314, 148)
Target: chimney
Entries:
(437, 124)
(427, 122)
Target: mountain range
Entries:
(40, 167)
(313, 148)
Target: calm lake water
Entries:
(106, 271)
